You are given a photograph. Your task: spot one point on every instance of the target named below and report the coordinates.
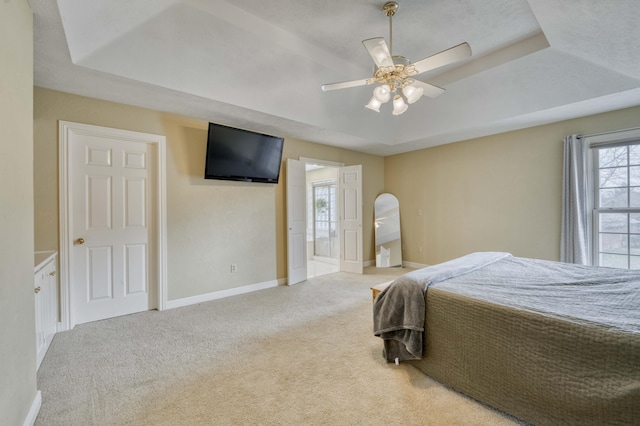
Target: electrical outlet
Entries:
(234, 268)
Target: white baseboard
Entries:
(405, 264)
(414, 265)
(186, 301)
(34, 410)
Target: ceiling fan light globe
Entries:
(399, 106)
(412, 93)
(373, 104)
(382, 93)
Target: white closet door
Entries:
(110, 192)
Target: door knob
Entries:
(80, 241)
(37, 289)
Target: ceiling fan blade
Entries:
(379, 51)
(443, 58)
(344, 85)
(429, 89)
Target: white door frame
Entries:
(337, 166)
(309, 160)
(66, 130)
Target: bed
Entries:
(547, 342)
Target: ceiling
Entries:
(259, 65)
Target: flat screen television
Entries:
(236, 154)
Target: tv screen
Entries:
(235, 154)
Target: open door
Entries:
(351, 256)
(296, 222)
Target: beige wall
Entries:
(211, 223)
(17, 317)
(501, 192)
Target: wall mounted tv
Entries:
(235, 154)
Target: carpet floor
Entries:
(299, 355)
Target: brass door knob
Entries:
(52, 273)
(80, 241)
(37, 289)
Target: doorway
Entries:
(323, 243)
(300, 242)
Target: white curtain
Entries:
(574, 241)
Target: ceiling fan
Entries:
(395, 74)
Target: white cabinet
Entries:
(46, 301)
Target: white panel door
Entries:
(111, 194)
(296, 222)
(351, 256)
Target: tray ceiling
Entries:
(259, 65)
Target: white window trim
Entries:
(595, 141)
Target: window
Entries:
(616, 216)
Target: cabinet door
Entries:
(46, 308)
(39, 282)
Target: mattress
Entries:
(546, 347)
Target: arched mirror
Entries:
(387, 229)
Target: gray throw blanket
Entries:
(398, 318)
(399, 310)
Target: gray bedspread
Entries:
(605, 297)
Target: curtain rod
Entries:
(611, 132)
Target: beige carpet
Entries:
(300, 355)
